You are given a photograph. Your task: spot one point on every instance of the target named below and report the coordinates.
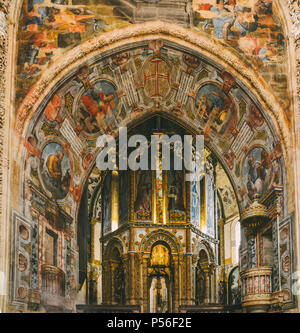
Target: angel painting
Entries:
(98, 106)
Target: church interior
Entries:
(75, 238)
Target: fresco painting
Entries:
(98, 105)
(176, 204)
(254, 30)
(55, 170)
(50, 28)
(216, 110)
(250, 28)
(257, 172)
(250, 25)
(72, 220)
(96, 101)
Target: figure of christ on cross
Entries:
(157, 75)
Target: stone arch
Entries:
(112, 244)
(38, 98)
(114, 286)
(160, 236)
(128, 121)
(204, 246)
(150, 30)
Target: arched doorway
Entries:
(113, 289)
(161, 279)
(203, 283)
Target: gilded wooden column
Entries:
(181, 281)
(194, 265)
(126, 263)
(113, 267)
(176, 284)
(132, 299)
(94, 264)
(115, 201)
(188, 268)
(145, 303)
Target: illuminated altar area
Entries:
(160, 246)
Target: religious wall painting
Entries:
(143, 195)
(123, 196)
(52, 113)
(97, 107)
(254, 31)
(262, 170)
(50, 28)
(250, 25)
(176, 195)
(257, 169)
(55, 170)
(216, 110)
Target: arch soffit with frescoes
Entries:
(205, 74)
(12, 10)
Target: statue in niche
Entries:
(143, 192)
(159, 294)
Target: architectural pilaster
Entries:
(3, 106)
